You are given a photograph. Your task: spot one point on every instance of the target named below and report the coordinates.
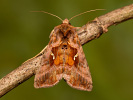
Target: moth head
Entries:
(65, 21)
(65, 27)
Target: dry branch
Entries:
(88, 32)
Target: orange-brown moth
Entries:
(65, 59)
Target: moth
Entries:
(64, 59)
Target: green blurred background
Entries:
(24, 34)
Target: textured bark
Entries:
(88, 32)
(99, 25)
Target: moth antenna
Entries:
(49, 14)
(84, 13)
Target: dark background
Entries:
(24, 34)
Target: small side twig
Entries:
(88, 32)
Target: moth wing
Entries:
(47, 77)
(55, 39)
(78, 76)
(47, 74)
(52, 32)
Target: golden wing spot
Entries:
(52, 55)
(70, 61)
(75, 56)
(57, 60)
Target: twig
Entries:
(88, 32)
(99, 25)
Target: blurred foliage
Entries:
(23, 34)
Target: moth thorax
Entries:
(65, 30)
(65, 34)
